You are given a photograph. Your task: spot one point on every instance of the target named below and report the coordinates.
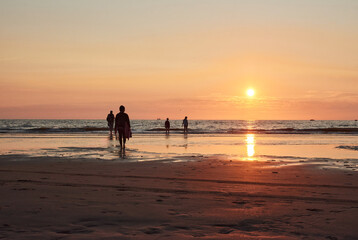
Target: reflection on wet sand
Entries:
(122, 154)
(288, 149)
(167, 140)
(185, 141)
(250, 145)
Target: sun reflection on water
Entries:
(250, 145)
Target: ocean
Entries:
(195, 126)
(332, 144)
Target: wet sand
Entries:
(204, 199)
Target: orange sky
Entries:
(79, 59)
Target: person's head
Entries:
(167, 119)
(186, 117)
(122, 108)
(111, 111)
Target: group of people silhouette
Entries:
(185, 125)
(122, 127)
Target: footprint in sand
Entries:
(152, 231)
(314, 210)
(240, 202)
(225, 231)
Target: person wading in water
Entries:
(122, 122)
(110, 121)
(185, 124)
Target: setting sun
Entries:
(250, 92)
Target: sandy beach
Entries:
(203, 199)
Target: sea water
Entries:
(195, 126)
(330, 143)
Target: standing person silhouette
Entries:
(122, 122)
(110, 121)
(185, 124)
(167, 126)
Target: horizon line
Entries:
(195, 119)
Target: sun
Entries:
(250, 92)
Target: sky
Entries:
(78, 59)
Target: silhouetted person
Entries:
(185, 124)
(122, 123)
(110, 121)
(167, 126)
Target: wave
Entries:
(296, 131)
(354, 148)
(163, 129)
(265, 131)
(208, 130)
(72, 130)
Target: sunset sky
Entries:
(165, 58)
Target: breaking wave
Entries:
(195, 127)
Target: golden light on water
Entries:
(250, 92)
(250, 145)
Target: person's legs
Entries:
(110, 129)
(120, 136)
(124, 141)
(120, 139)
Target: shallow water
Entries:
(331, 150)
